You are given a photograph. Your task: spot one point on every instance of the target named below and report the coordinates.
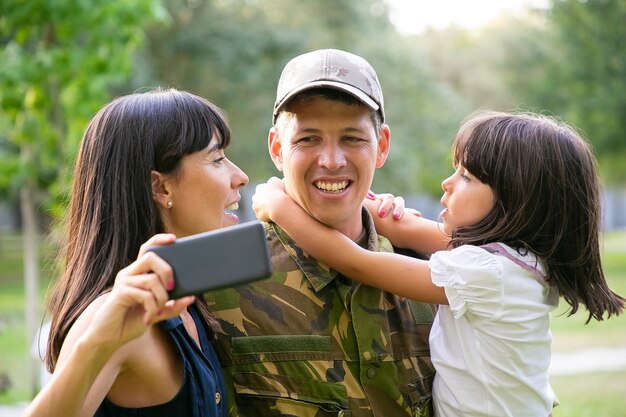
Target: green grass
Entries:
(591, 395)
(584, 395)
(14, 346)
(571, 332)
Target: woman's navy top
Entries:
(202, 392)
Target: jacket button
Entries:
(371, 373)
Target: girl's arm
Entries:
(405, 230)
(402, 275)
(92, 353)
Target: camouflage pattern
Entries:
(330, 68)
(310, 342)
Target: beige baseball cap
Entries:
(330, 68)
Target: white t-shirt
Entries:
(491, 345)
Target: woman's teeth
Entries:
(233, 206)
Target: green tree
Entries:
(57, 63)
(592, 35)
(232, 51)
(570, 63)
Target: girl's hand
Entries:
(382, 204)
(267, 198)
(138, 298)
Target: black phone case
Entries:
(220, 258)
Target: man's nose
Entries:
(332, 157)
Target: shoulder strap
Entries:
(499, 249)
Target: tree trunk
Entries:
(31, 279)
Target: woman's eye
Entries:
(219, 160)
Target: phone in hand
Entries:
(216, 259)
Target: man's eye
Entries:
(354, 139)
(306, 139)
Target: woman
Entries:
(151, 168)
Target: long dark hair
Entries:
(112, 211)
(547, 200)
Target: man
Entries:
(308, 341)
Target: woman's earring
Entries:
(169, 204)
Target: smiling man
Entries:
(308, 341)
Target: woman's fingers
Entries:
(158, 239)
(171, 308)
(150, 262)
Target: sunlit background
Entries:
(416, 16)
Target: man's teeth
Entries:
(233, 206)
(332, 186)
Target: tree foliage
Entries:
(58, 62)
(232, 52)
(592, 35)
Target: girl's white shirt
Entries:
(491, 346)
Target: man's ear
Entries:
(384, 142)
(161, 193)
(275, 147)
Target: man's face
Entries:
(328, 152)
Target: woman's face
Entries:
(203, 192)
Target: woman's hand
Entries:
(138, 298)
(267, 198)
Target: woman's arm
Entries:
(92, 354)
(405, 229)
(402, 275)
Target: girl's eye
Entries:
(465, 178)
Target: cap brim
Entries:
(327, 84)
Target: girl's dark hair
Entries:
(547, 200)
(112, 211)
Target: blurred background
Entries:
(61, 60)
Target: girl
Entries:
(521, 217)
(151, 167)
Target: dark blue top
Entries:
(202, 392)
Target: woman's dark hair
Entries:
(112, 211)
(547, 200)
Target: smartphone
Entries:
(220, 258)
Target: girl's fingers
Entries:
(398, 207)
(387, 202)
(414, 212)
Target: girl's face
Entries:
(202, 191)
(466, 200)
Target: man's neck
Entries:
(354, 230)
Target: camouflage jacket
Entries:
(310, 342)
